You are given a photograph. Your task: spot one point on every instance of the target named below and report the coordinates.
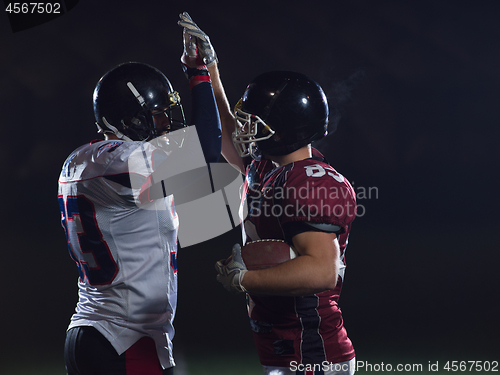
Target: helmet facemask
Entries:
(249, 129)
(143, 123)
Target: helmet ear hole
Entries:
(135, 121)
(139, 127)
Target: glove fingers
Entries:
(187, 25)
(205, 48)
(190, 46)
(219, 266)
(187, 22)
(195, 32)
(237, 254)
(236, 249)
(186, 17)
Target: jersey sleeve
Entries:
(207, 122)
(314, 193)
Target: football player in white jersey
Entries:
(123, 241)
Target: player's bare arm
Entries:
(227, 120)
(314, 271)
(207, 53)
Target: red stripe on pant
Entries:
(141, 358)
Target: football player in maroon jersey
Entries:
(291, 193)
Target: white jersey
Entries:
(126, 255)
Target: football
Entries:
(266, 253)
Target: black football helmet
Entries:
(126, 98)
(279, 113)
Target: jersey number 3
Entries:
(86, 245)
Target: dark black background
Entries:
(418, 88)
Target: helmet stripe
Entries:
(138, 96)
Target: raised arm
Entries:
(227, 119)
(205, 114)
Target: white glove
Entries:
(190, 48)
(192, 63)
(205, 48)
(231, 271)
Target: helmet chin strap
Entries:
(114, 130)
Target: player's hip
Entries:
(279, 345)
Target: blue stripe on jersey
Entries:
(312, 348)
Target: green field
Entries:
(240, 364)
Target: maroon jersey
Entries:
(282, 202)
